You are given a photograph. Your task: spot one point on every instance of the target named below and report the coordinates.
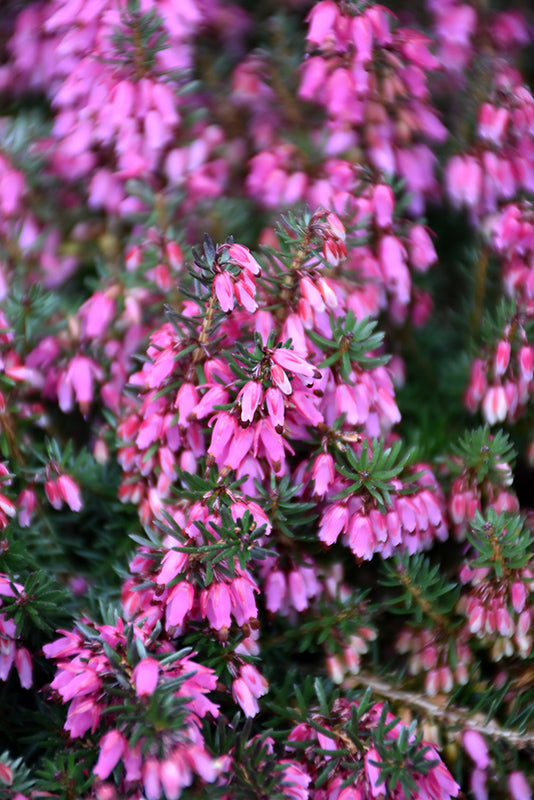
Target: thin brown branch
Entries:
(458, 717)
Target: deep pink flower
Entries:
(145, 676)
(179, 603)
(383, 205)
(113, 745)
(322, 19)
(274, 400)
(216, 605)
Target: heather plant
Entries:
(266, 378)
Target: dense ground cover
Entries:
(266, 366)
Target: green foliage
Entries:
(502, 541)
(14, 777)
(373, 470)
(255, 770)
(137, 49)
(487, 456)
(351, 343)
(399, 759)
(41, 604)
(422, 591)
(67, 775)
(289, 515)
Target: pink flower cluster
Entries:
(413, 522)
(357, 777)
(12, 652)
(469, 494)
(501, 161)
(429, 652)
(500, 611)
(87, 677)
(358, 69)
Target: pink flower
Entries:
(224, 430)
(495, 405)
(69, 491)
(502, 357)
(476, 748)
(463, 176)
(96, 315)
(216, 605)
(322, 19)
(113, 745)
(243, 695)
(274, 400)
(421, 249)
(518, 786)
(77, 382)
(255, 681)
(280, 379)
(179, 603)
(334, 521)
(295, 363)
(243, 601)
(145, 676)
(175, 773)
(526, 362)
(151, 778)
(250, 397)
(383, 205)
(23, 663)
(242, 256)
(224, 290)
(323, 473)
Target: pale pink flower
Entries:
(280, 379)
(224, 290)
(255, 681)
(476, 748)
(323, 474)
(519, 787)
(243, 695)
(495, 405)
(250, 397)
(69, 491)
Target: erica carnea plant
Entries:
(266, 419)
